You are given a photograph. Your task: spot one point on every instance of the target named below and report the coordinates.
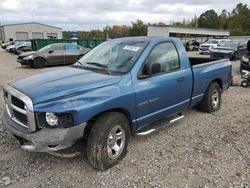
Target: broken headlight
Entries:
(54, 120)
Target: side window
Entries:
(162, 59)
(71, 48)
(57, 48)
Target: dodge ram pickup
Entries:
(118, 89)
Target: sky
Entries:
(85, 15)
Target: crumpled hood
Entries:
(28, 53)
(61, 83)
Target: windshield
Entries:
(45, 48)
(229, 44)
(212, 42)
(113, 56)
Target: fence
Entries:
(37, 44)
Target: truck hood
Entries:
(60, 83)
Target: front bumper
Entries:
(44, 140)
(24, 62)
(204, 51)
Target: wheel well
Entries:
(218, 81)
(93, 119)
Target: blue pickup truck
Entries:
(118, 89)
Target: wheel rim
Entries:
(116, 142)
(215, 99)
(40, 63)
(244, 84)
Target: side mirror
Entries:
(51, 51)
(151, 69)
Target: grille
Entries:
(17, 102)
(20, 57)
(204, 47)
(20, 117)
(20, 108)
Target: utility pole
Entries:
(107, 32)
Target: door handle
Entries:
(181, 79)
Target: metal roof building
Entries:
(187, 33)
(26, 31)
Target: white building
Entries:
(200, 34)
(26, 31)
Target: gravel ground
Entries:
(202, 150)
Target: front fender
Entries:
(85, 106)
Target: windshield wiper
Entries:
(103, 67)
(97, 64)
(80, 66)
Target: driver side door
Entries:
(165, 87)
(56, 55)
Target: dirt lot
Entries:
(202, 150)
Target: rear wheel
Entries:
(38, 63)
(244, 83)
(108, 140)
(212, 98)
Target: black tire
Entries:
(98, 150)
(38, 63)
(212, 98)
(244, 83)
(235, 56)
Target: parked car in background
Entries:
(10, 48)
(245, 60)
(21, 47)
(5, 44)
(192, 45)
(211, 43)
(53, 54)
(24, 49)
(232, 50)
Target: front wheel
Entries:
(108, 140)
(38, 63)
(212, 98)
(235, 56)
(244, 83)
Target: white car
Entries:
(211, 43)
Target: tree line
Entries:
(237, 22)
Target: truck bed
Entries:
(205, 71)
(201, 60)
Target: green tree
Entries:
(97, 33)
(223, 19)
(66, 34)
(118, 31)
(239, 21)
(138, 28)
(208, 19)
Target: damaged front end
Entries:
(42, 131)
